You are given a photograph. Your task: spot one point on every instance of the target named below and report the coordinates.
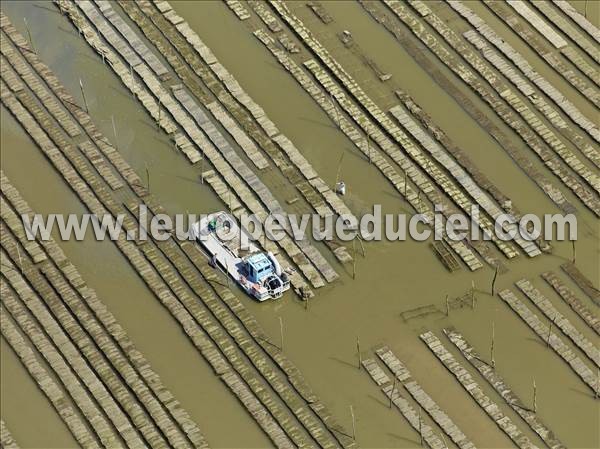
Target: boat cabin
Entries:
(258, 267)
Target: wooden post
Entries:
(306, 303)
(20, 260)
(473, 295)
(227, 271)
(132, 80)
(112, 119)
(158, 119)
(420, 426)
(83, 95)
(362, 247)
(393, 389)
(492, 345)
(549, 333)
(494, 281)
(444, 440)
(534, 397)
(358, 352)
(337, 114)
(368, 147)
(354, 258)
(147, 177)
(29, 34)
(281, 332)
(447, 306)
(202, 169)
(339, 169)
(573, 251)
(353, 423)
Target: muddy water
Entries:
(392, 278)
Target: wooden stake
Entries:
(202, 169)
(420, 426)
(20, 260)
(573, 247)
(281, 332)
(362, 247)
(354, 258)
(492, 345)
(549, 333)
(444, 440)
(83, 95)
(353, 423)
(447, 306)
(494, 281)
(368, 148)
(473, 295)
(358, 352)
(112, 119)
(405, 184)
(393, 389)
(132, 80)
(337, 114)
(158, 119)
(147, 177)
(227, 269)
(29, 34)
(306, 303)
(534, 397)
(339, 169)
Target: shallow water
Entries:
(392, 278)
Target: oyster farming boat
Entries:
(258, 273)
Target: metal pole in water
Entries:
(83, 95)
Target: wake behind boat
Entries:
(258, 273)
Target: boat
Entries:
(257, 272)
